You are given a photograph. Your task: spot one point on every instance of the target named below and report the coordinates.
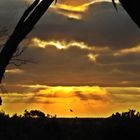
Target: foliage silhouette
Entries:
(22, 127)
(34, 114)
(131, 114)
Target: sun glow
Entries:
(57, 99)
(81, 7)
(14, 71)
(73, 8)
(126, 51)
(93, 57)
(85, 101)
(71, 15)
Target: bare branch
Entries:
(25, 25)
(19, 52)
(3, 89)
(18, 62)
(113, 1)
(26, 14)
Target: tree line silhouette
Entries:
(131, 114)
(36, 125)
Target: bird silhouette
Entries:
(71, 110)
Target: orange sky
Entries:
(85, 101)
(82, 61)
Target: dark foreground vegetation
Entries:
(34, 125)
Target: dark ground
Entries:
(28, 128)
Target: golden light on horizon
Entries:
(57, 100)
(85, 101)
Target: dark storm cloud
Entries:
(125, 98)
(18, 88)
(124, 91)
(27, 99)
(88, 96)
(52, 64)
(73, 67)
(129, 63)
(35, 99)
(101, 26)
(124, 95)
(132, 58)
(10, 12)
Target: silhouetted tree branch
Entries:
(133, 9)
(26, 23)
(0, 101)
(3, 89)
(19, 61)
(19, 52)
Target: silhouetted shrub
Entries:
(34, 125)
(130, 114)
(34, 114)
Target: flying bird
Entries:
(71, 110)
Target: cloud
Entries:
(14, 71)
(54, 94)
(134, 50)
(124, 95)
(76, 66)
(100, 26)
(86, 96)
(80, 52)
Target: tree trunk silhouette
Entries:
(133, 9)
(26, 23)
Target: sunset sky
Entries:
(87, 58)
